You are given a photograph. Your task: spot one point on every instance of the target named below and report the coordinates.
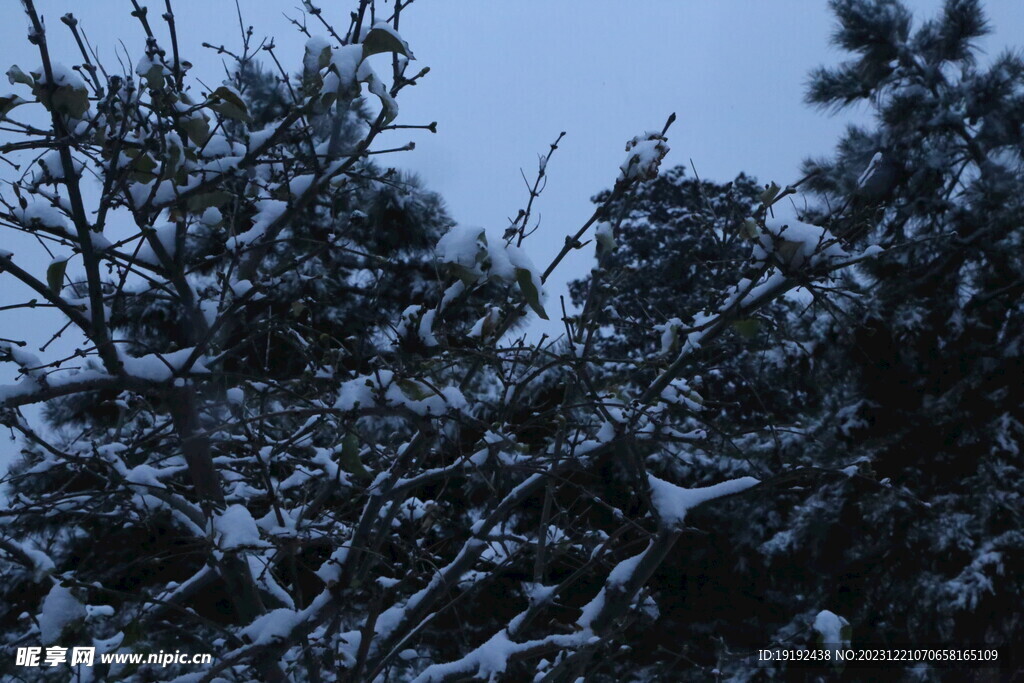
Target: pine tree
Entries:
(903, 420)
(679, 243)
(921, 543)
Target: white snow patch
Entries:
(672, 502)
(236, 528)
(158, 367)
(59, 609)
(267, 211)
(645, 154)
(796, 244)
(829, 626)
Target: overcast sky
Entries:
(507, 76)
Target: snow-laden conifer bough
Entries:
(306, 503)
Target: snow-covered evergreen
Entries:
(895, 407)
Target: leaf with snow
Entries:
(317, 54)
(64, 93)
(152, 72)
(199, 203)
(9, 102)
(645, 155)
(383, 38)
(226, 101)
(16, 75)
(377, 87)
(197, 128)
(141, 166)
(463, 249)
(795, 244)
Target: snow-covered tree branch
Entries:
(296, 418)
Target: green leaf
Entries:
(349, 457)
(377, 87)
(748, 328)
(55, 275)
(197, 129)
(142, 166)
(16, 75)
(465, 274)
(172, 162)
(789, 253)
(328, 98)
(65, 99)
(312, 64)
(414, 390)
(154, 77)
(133, 631)
(225, 101)
(530, 290)
(381, 38)
(9, 102)
(201, 202)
